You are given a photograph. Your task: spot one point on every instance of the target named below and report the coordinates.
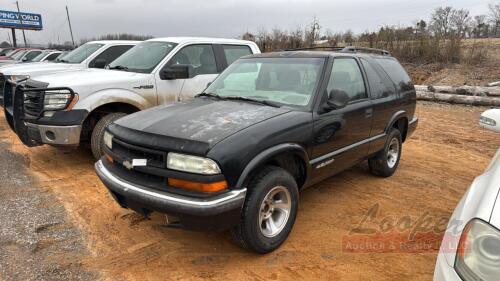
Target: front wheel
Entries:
(96, 141)
(269, 211)
(385, 162)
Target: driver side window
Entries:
(200, 57)
(346, 77)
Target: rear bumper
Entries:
(213, 213)
(412, 126)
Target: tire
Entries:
(253, 232)
(386, 161)
(96, 140)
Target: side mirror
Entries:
(176, 71)
(100, 63)
(336, 100)
(490, 119)
(25, 59)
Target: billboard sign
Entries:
(17, 20)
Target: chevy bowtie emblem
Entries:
(128, 165)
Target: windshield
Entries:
(81, 53)
(4, 52)
(287, 81)
(18, 55)
(144, 57)
(39, 57)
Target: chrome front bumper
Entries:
(55, 135)
(127, 193)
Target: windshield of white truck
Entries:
(144, 57)
(81, 53)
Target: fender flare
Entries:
(396, 117)
(270, 152)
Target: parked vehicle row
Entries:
(229, 151)
(79, 104)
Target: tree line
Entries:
(439, 39)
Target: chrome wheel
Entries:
(274, 211)
(393, 153)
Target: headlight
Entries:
(192, 164)
(108, 139)
(487, 121)
(58, 100)
(478, 255)
(17, 78)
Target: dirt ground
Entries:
(438, 164)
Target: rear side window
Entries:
(234, 52)
(396, 72)
(111, 53)
(380, 86)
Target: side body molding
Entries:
(267, 154)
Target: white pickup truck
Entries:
(94, 54)
(71, 107)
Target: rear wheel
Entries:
(385, 162)
(269, 211)
(96, 141)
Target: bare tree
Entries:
(441, 20)
(480, 28)
(459, 21)
(494, 15)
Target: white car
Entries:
(94, 54)
(64, 109)
(471, 246)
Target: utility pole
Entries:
(10, 41)
(70, 30)
(14, 41)
(24, 35)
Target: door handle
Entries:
(369, 112)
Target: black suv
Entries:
(270, 125)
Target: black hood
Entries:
(202, 120)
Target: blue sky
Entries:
(221, 18)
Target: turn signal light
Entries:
(198, 186)
(110, 159)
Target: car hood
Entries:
(37, 68)
(202, 120)
(91, 77)
(480, 201)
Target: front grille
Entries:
(127, 151)
(33, 103)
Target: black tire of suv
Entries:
(96, 140)
(378, 164)
(248, 233)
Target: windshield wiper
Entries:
(119, 67)
(61, 60)
(205, 94)
(264, 102)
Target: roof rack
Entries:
(354, 49)
(348, 49)
(334, 48)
